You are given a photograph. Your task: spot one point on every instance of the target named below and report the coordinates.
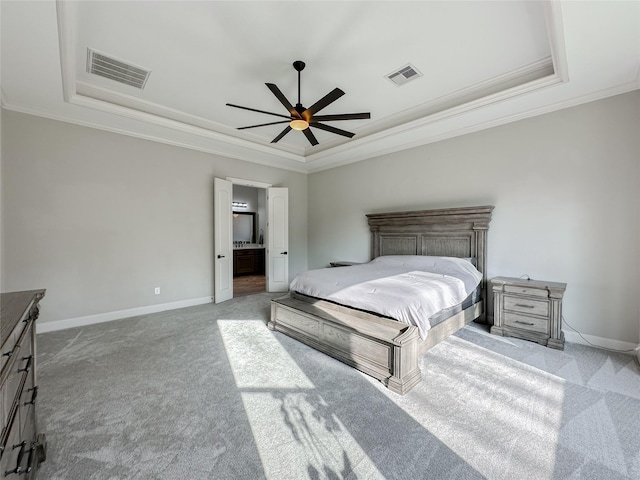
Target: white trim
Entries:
(598, 342)
(66, 16)
(44, 327)
(555, 31)
(178, 125)
(248, 183)
(152, 138)
(330, 161)
(457, 103)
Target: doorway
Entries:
(275, 236)
(249, 226)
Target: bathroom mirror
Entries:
(244, 227)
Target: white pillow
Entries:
(462, 268)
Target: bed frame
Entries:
(381, 347)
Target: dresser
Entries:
(21, 447)
(529, 309)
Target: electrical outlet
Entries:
(157, 291)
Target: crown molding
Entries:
(555, 32)
(154, 113)
(499, 89)
(156, 138)
(591, 97)
(409, 129)
(177, 125)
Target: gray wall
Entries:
(566, 192)
(100, 219)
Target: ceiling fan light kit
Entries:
(301, 118)
(299, 124)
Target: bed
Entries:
(375, 344)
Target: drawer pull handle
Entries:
(29, 460)
(18, 468)
(525, 306)
(33, 396)
(8, 354)
(29, 360)
(525, 323)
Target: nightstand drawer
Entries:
(529, 306)
(524, 322)
(518, 290)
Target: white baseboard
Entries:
(598, 342)
(601, 342)
(44, 327)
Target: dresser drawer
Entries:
(12, 386)
(13, 340)
(21, 453)
(27, 408)
(528, 306)
(21, 362)
(519, 290)
(524, 322)
(15, 455)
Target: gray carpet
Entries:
(208, 392)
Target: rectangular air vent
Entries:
(404, 74)
(118, 70)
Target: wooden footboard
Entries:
(380, 347)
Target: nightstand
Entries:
(343, 264)
(529, 309)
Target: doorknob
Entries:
(283, 253)
(220, 256)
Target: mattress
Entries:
(416, 290)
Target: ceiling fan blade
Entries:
(264, 124)
(331, 129)
(341, 116)
(282, 134)
(283, 100)
(330, 97)
(310, 136)
(259, 111)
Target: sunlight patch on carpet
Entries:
(515, 400)
(257, 359)
(296, 432)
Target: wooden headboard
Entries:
(450, 232)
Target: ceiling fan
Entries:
(301, 118)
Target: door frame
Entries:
(247, 183)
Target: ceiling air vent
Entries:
(113, 69)
(404, 74)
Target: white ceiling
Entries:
(483, 64)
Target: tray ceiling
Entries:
(482, 64)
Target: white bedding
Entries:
(407, 288)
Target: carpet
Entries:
(208, 392)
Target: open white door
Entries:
(222, 240)
(278, 239)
